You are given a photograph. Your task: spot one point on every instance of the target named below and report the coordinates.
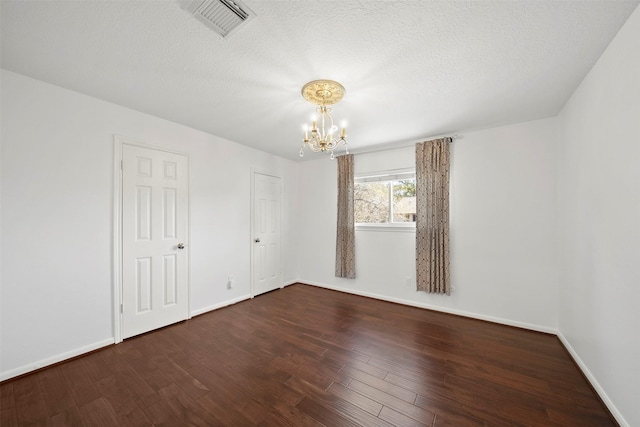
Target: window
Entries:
(385, 200)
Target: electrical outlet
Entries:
(408, 280)
(229, 281)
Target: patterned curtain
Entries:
(432, 223)
(346, 237)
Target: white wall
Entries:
(57, 190)
(502, 229)
(545, 225)
(599, 223)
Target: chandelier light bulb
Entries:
(343, 132)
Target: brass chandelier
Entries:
(322, 129)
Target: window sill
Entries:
(401, 228)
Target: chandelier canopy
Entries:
(323, 93)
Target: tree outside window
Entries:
(385, 201)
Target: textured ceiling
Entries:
(411, 69)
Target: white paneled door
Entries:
(267, 258)
(154, 239)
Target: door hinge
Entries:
(120, 308)
(121, 167)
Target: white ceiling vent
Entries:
(222, 16)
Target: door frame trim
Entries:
(252, 227)
(116, 259)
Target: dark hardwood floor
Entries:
(305, 356)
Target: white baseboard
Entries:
(219, 305)
(55, 359)
(289, 283)
(95, 346)
(524, 325)
(594, 383)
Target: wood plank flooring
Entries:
(305, 356)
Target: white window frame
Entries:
(386, 176)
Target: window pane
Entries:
(404, 200)
(371, 202)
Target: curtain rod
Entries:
(386, 147)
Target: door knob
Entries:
(180, 245)
(258, 240)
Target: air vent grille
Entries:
(222, 16)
